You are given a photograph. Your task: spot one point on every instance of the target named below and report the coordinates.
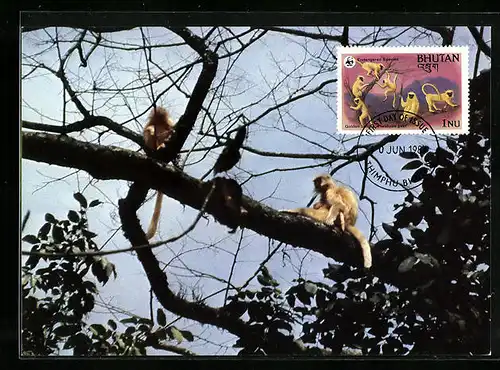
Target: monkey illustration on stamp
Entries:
(414, 84)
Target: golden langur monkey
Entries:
(390, 87)
(360, 105)
(411, 105)
(337, 203)
(158, 129)
(371, 68)
(358, 86)
(432, 99)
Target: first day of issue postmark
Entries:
(403, 90)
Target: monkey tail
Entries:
(153, 225)
(431, 85)
(365, 246)
(394, 99)
(395, 78)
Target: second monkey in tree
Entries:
(337, 203)
(157, 131)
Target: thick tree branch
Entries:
(87, 123)
(219, 317)
(446, 33)
(312, 35)
(200, 91)
(481, 44)
(106, 163)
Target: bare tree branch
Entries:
(315, 36)
(481, 44)
(106, 163)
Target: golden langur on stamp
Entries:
(390, 87)
(337, 204)
(432, 99)
(372, 69)
(411, 105)
(158, 129)
(360, 105)
(358, 86)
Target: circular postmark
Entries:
(398, 166)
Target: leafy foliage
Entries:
(58, 294)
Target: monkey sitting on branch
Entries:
(337, 204)
(157, 131)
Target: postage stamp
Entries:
(403, 90)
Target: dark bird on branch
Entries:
(231, 155)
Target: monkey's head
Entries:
(323, 183)
(411, 95)
(356, 100)
(160, 115)
(381, 66)
(449, 93)
(360, 78)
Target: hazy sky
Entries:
(209, 249)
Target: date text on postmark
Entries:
(423, 83)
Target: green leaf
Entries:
(129, 320)
(44, 231)
(392, 232)
(32, 239)
(110, 268)
(188, 335)
(145, 321)
(265, 272)
(130, 330)
(25, 280)
(310, 288)
(407, 264)
(412, 165)
(161, 334)
(112, 324)
(90, 286)
(451, 144)
(419, 175)
(57, 234)
(98, 329)
(408, 155)
(176, 334)
(423, 149)
(265, 281)
(88, 234)
(427, 259)
(66, 330)
(49, 217)
(430, 157)
(161, 319)
(73, 217)
(443, 154)
(95, 203)
(81, 199)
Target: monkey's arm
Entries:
(358, 107)
(149, 137)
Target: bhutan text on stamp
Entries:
(403, 90)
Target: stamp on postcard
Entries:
(403, 90)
